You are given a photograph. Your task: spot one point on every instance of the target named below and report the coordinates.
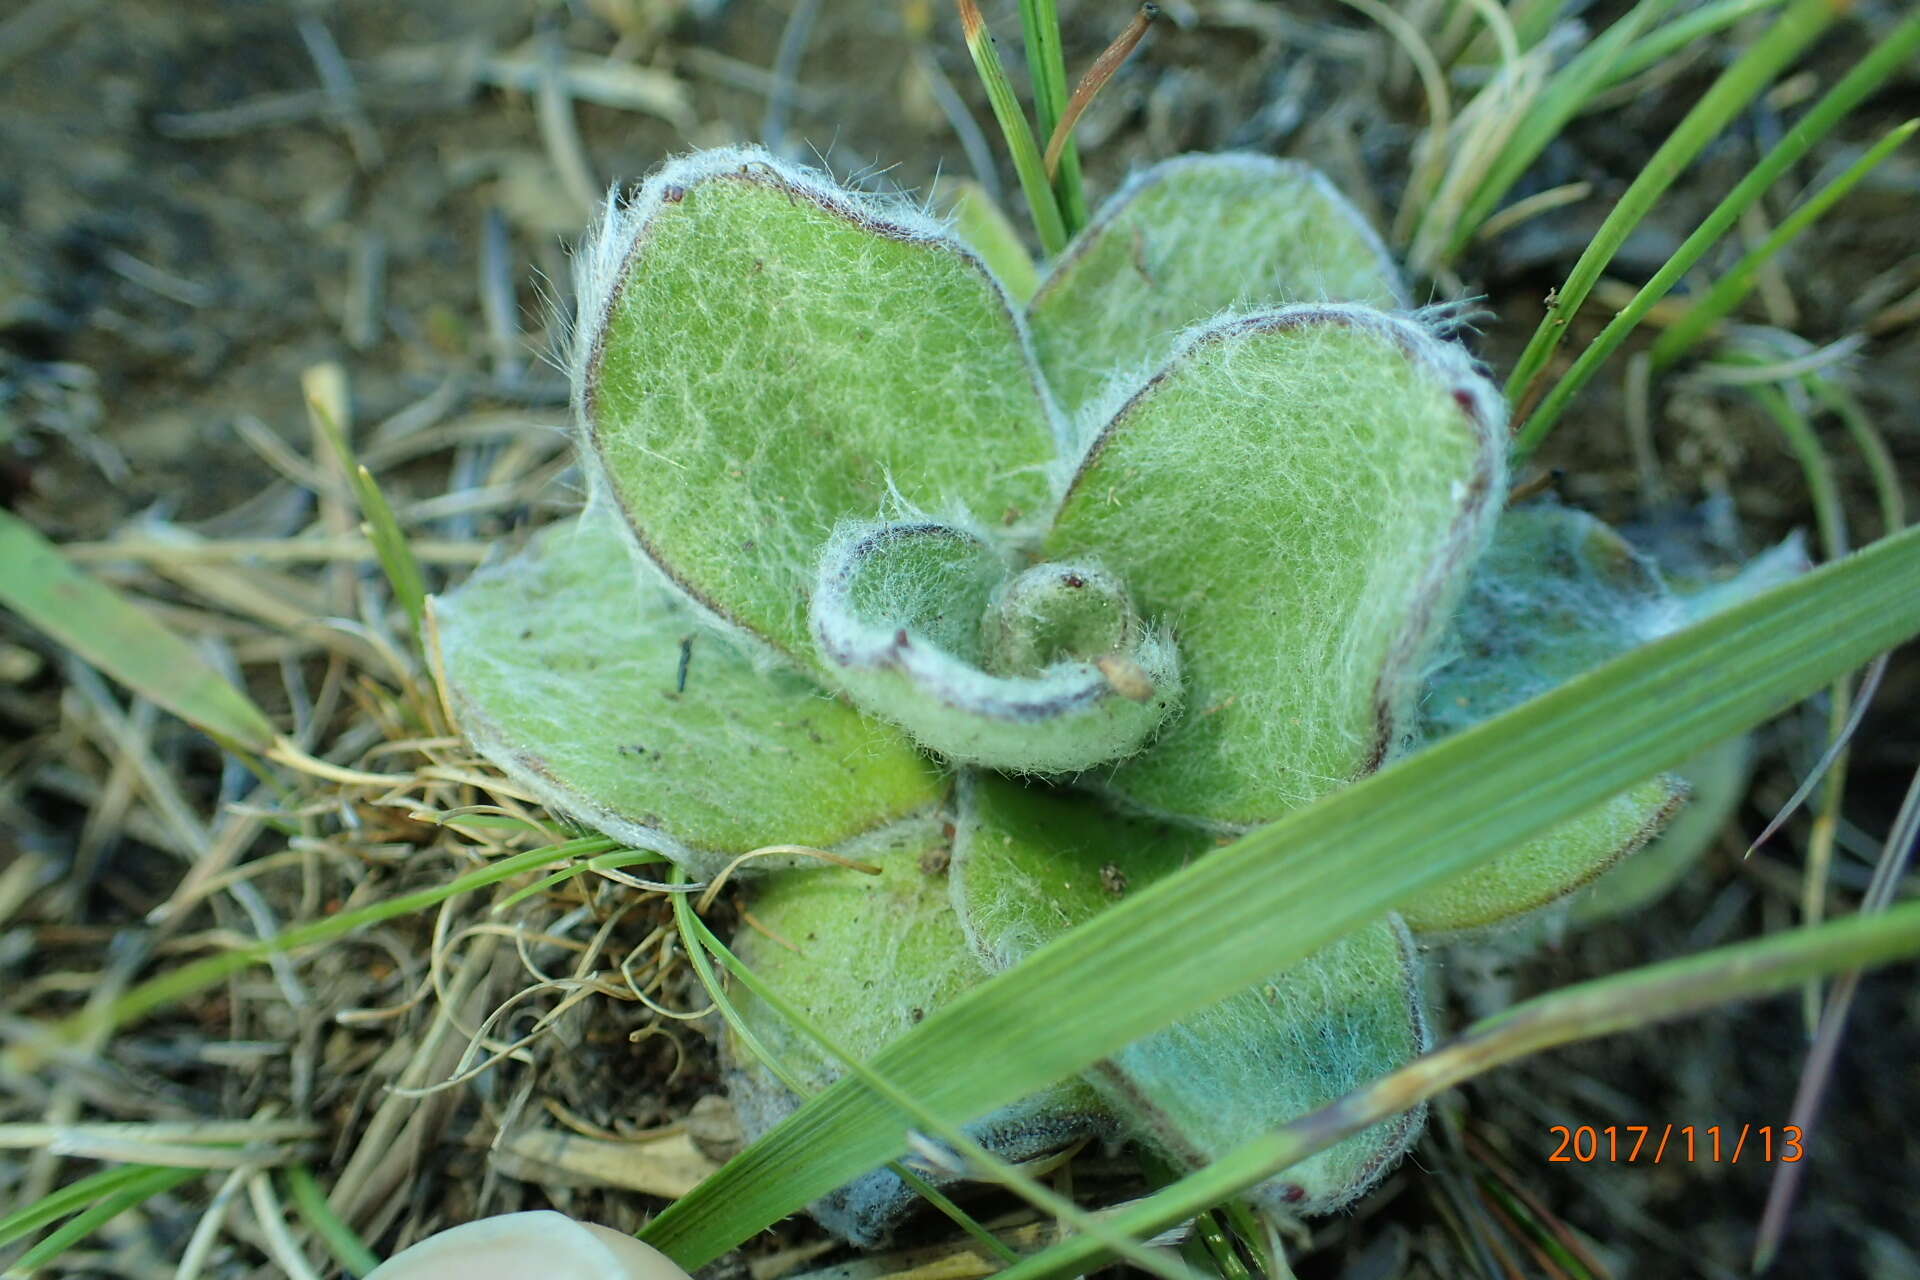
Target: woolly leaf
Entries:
(1190, 238)
(764, 354)
(1716, 782)
(1557, 594)
(1060, 677)
(1548, 867)
(1298, 495)
(564, 664)
(1030, 864)
(867, 957)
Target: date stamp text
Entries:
(1654, 1143)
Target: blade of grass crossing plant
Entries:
(138, 1190)
(120, 638)
(1586, 1011)
(696, 937)
(346, 1246)
(910, 1111)
(1730, 94)
(1041, 203)
(1277, 894)
(1047, 68)
(1569, 90)
(1727, 292)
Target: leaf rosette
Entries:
(1031, 603)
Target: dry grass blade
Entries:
(1895, 858)
(1110, 61)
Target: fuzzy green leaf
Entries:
(1029, 864)
(1298, 495)
(1557, 594)
(1042, 672)
(764, 354)
(1186, 240)
(866, 957)
(564, 667)
(1547, 868)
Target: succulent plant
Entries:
(1028, 601)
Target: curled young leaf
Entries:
(762, 354)
(866, 957)
(1298, 495)
(1188, 239)
(595, 687)
(1046, 671)
(1029, 864)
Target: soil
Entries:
(191, 220)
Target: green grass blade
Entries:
(1582, 1012)
(149, 1182)
(1730, 94)
(68, 1199)
(391, 548)
(1658, 45)
(1727, 292)
(1275, 895)
(345, 1244)
(1874, 454)
(120, 638)
(1027, 163)
(1887, 57)
(1532, 19)
(1047, 68)
(390, 545)
(1570, 90)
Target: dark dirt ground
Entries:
(188, 221)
